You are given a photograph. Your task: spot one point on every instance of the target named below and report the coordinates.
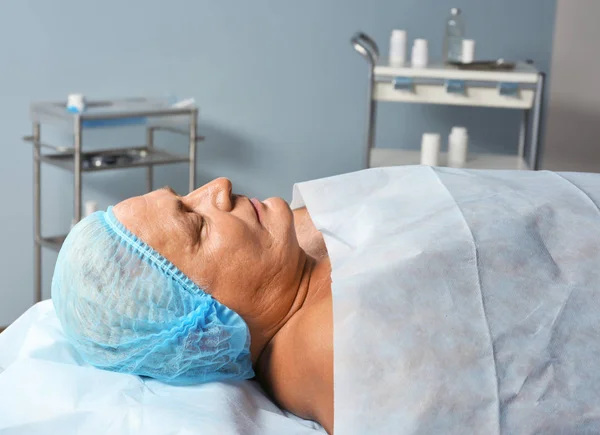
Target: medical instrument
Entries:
(154, 114)
(521, 88)
(430, 149)
(468, 51)
(458, 143)
(398, 47)
(420, 53)
(453, 36)
(486, 65)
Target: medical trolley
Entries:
(521, 88)
(151, 114)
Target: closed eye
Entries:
(181, 207)
(198, 220)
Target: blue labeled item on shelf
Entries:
(76, 104)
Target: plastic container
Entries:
(398, 48)
(468, 51)
(453, 36)
(458, 144)
(430, 149)
(420, 53)
(91, 207)
(75, 103)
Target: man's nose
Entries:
(217, 194)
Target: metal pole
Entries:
(77, 139)
(37, 218)
(365, 46)
(150, 169)
(193, 138)
(371, 115)
(523, 133)
(537, 122)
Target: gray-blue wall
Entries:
(282, 94)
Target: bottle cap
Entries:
(399, 34)
(459, 130)
(420, 43)
(431, 138)
(455, 11)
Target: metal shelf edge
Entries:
(54, 242)
(173, 161)
(385, 157)
(160, 158)
(184, 132)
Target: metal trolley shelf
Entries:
(521, 89)
(152, 114)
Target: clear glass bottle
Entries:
(453, 36)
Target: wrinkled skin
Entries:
(266, 263)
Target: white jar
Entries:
(398, 48)
(420, 53)
(468, 51)
(90, 207)
(430, 149)
(75, 103)
(458, 143)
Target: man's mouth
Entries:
(256, 204)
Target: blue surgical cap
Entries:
(128, 309)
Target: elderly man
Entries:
(203, 287)
(458, 301)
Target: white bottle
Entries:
(90, 207)
(420, 53)
(398, 48)
(75, 103)
(458, 144)
(453, 36)
(468, 50)
(430, 149)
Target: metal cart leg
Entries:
(537, 123)
(523, 133)
(193, 139)
(77, 138)
(150, 169)
(37, 219)
(371, 116)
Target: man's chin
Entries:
(277, 205)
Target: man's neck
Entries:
(319, 284)
(296, 366)
(314, 283)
